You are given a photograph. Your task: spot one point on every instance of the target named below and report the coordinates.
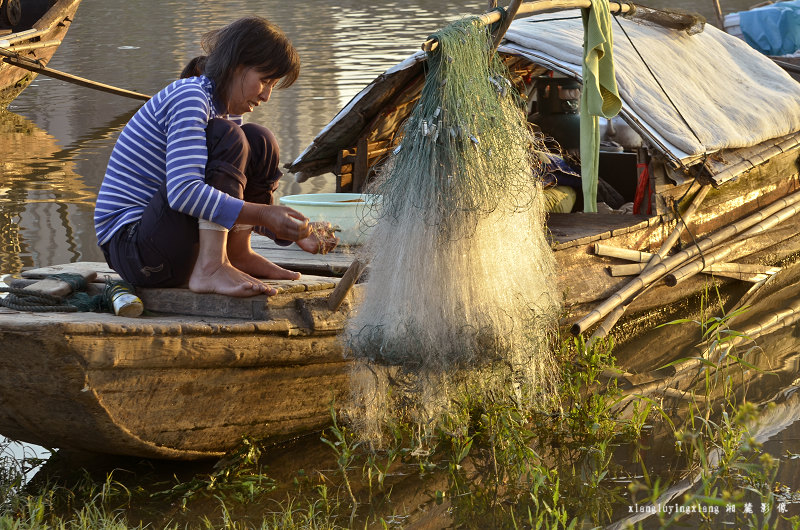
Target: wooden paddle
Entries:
(33, 66)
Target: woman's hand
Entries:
(321, 240)
(285, 222)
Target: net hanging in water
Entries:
(462, 278)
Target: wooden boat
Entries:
(185, 381)
(30, 30)
(715, 180)
(199, 371)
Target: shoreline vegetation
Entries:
(674, 447)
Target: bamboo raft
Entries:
(31, 39)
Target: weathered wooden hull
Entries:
(52, 26)
(178, 387)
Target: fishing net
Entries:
(462, 286)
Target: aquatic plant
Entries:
(238, 477)
(14, 470)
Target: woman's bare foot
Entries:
(260, 267)
(242, 256)
(223, 278)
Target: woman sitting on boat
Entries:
(187, 182)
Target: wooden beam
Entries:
(349, 279)
(33, 66)
(537, 6)
(361, 165)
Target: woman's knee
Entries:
(228, 155)
(227, 142)
(264, 150)
(262, 167)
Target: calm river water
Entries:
(56, 139)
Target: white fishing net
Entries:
(462, 289)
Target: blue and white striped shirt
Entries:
(165, 140)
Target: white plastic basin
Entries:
(353, 213)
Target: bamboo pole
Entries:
(681, 226)
(610, 321)
(537, 6)
(10, 39)
(718, 12)
(751, 268)
(740, 271)
(28, 64)
(628, 269)
(601, 249)
(659, 270)
(692, 268)
(741, 276)
(35, 45)
(511, 12)
(620, 307)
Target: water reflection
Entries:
(46, 206)
(681, 369)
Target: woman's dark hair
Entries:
(194, 67)
(251, 42)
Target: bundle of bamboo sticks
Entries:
(701, 257)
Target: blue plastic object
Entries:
(772, 29)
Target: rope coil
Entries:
(20, 299)
(27, 300)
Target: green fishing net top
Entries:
(467, 140)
